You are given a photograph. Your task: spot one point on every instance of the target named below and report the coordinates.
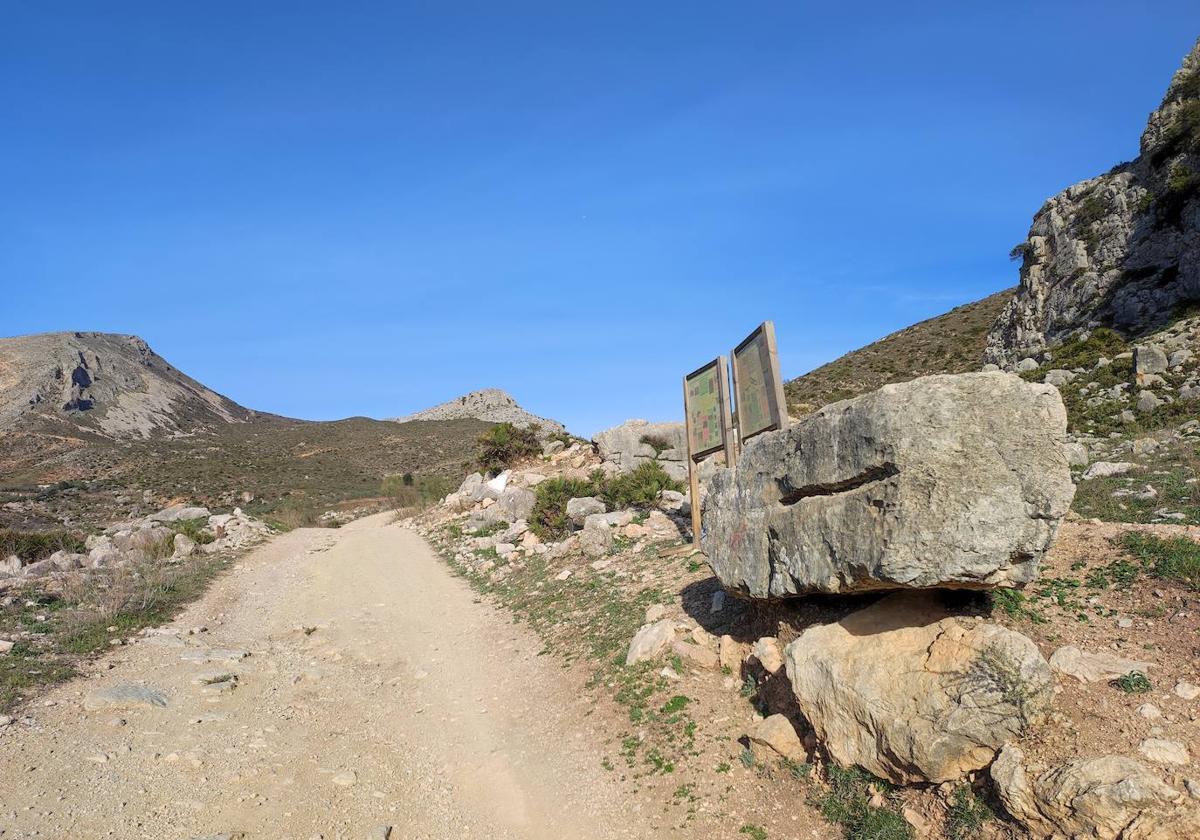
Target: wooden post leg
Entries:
(694, 489)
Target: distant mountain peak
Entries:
(490, 404)
(110, 384)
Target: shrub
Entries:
(549, 517)
(32, 546)
(408, 492)
(639, 488)
(656, 442)
(503, 444)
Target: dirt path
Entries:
(409, 705)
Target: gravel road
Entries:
(375, 692)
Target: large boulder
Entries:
(636, 441)
(945, 481)
(912, 694)
(1106, 798)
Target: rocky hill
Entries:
(950, 343)
(489, 404)
(112, 385)
(1119, 250)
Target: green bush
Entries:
(639, 488)
(405, 491)
(549, 518)
(32, 546)
(967, 814)
(504, 444)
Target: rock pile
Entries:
(142, 540)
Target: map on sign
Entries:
(755, 383)
(706, 428)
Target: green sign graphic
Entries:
(705, 429)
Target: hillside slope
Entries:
(950, 343)
(111, 385)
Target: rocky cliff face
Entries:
(114, 385)
(1121, 249)
(489, 404)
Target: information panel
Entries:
(704, 394)
(757, 384)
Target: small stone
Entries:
(654, 612)
(718, 601)
(1124, 623)
(730, 653)
(769, 653)
(345, 778)
(777, 734)
(563, 575)
(125, 696)
(1163, 751)
(1149, 711)
(650, 640)
(1187, 690)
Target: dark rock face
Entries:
(946, 481)
(1120, 250)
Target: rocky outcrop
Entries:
(1122, 249)
(489, 404)
(1106, 798)
(636, 441)
(911, 694)
(945, 481)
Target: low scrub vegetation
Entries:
(847, 802)
(504, 444)
(409, 491)
(549, 518)
(1177, 558)
(32, 546)
(639, 488)
(56, 631)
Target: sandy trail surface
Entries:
(377, 691)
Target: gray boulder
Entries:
(946, 481)
(911, 694)
(1149, 358)
(178, 513)
(580, 509)
(636, 441)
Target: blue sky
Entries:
(326, 210)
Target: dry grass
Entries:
(83, 614)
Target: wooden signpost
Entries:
(761, 406)
(707, 417)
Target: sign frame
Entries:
(777, 400)
(726, 443)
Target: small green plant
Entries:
(967, 814)
(1135, 682)
(755, 832)
(724, 767)
(504, 444)
(1176, 558)
(194, 529)
(656, 442)
(218, 678)
(847, 802)
(639, 488)
(675, 704)
(746, 756)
